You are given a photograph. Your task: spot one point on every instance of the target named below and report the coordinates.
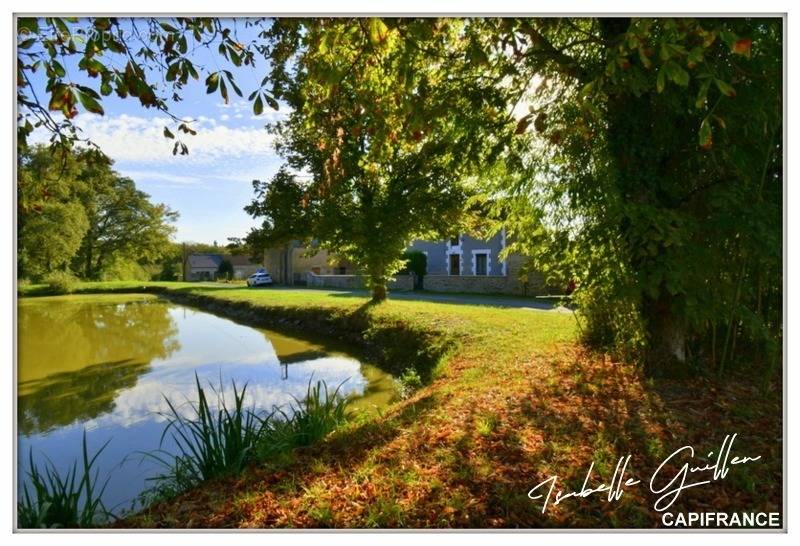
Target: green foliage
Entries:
(371, 124)
(50, 238)
(125, 269)
(306, 422)
(653, 178)
(60, 282)
(67, 501)
(123, 224)
(75, 210)
(213, 443)
(149, 61)
(416, 262)
(279, 204)
(225, 270)
(170, 271)
(641, 157)
(409, 382)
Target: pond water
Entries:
(104, 364)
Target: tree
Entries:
(640, 157)
(147, 59)
(370, 124)
(416, 264)
(225, 270)
(123, 223)
(169, 270)
(652, 176)
(51, 238)
(86, 216)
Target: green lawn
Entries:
(512, 399)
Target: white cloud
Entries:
(127, 138)
(236, 105)
(160, 176)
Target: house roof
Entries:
(239, 259)
(204, 261)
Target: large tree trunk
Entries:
(666, 332)
(378, 288)
(377, 279)
(639, 185)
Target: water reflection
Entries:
(77, 355)
(104, 364)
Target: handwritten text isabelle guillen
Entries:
(668, 486)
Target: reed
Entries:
(67, 501)
(306, 422)
(210, 443)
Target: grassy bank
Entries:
(514, 401)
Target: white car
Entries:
(259, 279)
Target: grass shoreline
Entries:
(518, 401)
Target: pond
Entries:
(105, 363)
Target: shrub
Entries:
(170, 271)
(409, 382)
(61, 282)
(225, 270)
(416, 263)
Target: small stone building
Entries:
(243, 266)
(202, 267)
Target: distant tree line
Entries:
(76, 214)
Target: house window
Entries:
(455, 264)
(480, 264)
(454, 241)
(341, 270)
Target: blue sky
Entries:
(209, 186)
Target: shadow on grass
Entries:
(596, 411)
(468, 460)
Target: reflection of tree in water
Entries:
(76, 357)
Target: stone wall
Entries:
(486, 284)
(530, 285)
(401, 283)
(340, 282)
(355, 282)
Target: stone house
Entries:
(202, 267)
(243, 267)
(460, 264)
(466, 264)
(292, 263)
